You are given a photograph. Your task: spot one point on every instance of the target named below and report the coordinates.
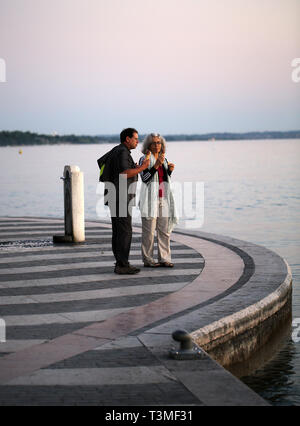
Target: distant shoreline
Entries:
(17, 138)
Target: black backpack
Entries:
(105, 166)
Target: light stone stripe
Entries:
(19, 221)
(70, 248)
(63, 318)
(50, 226)
(86, 265)
(36, 227)
(95, 234)
(91, 294)
(125, 342)
(145, 273)
(29, 219)
(18, 345)
(73, 254)
(48, 221)
(96, 377)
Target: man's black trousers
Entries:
(121, 239)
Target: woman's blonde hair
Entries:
(149, 139)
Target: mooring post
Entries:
(74, 206)
(188, 349)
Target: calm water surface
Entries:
(251, 192)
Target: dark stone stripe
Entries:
(42, 331)
(27, 226)
(122, 357)
(48, 262)
(95, 285)
(74, 259)
(3, 354)
(21, 221)
(126, 395)
(80, 305)
(78, 272)
(56, 274)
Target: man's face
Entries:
(132, 142)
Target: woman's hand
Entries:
(171, 166)
(161, 157)
(160, 160)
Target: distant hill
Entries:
(18, 138)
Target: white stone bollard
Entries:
(2, 331)
(74, 206)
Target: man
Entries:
(124, 174)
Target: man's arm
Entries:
(133, 172)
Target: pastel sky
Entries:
(173, 66)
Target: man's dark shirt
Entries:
(120, 161)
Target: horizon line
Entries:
(55, 133)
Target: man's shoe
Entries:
(134, 268)
(126, 270)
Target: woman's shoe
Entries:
(166, 264)
(151, 265)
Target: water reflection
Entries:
(265, 354)
(272, 371)
(275, 381)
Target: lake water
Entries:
(251, 192)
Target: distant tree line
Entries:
(292, 134)
(17, 138)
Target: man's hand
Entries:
(138, 169)
(145, 164)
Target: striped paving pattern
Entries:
(124, 372)
(47, 291)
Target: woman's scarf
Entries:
(149, 196)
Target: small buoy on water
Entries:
(20, 151)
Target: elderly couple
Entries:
(156, 201)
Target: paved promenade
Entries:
(78, 334)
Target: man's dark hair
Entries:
(127, 132)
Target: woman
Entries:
(156, 203)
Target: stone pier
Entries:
(78, 334)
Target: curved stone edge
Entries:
(236, 337)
